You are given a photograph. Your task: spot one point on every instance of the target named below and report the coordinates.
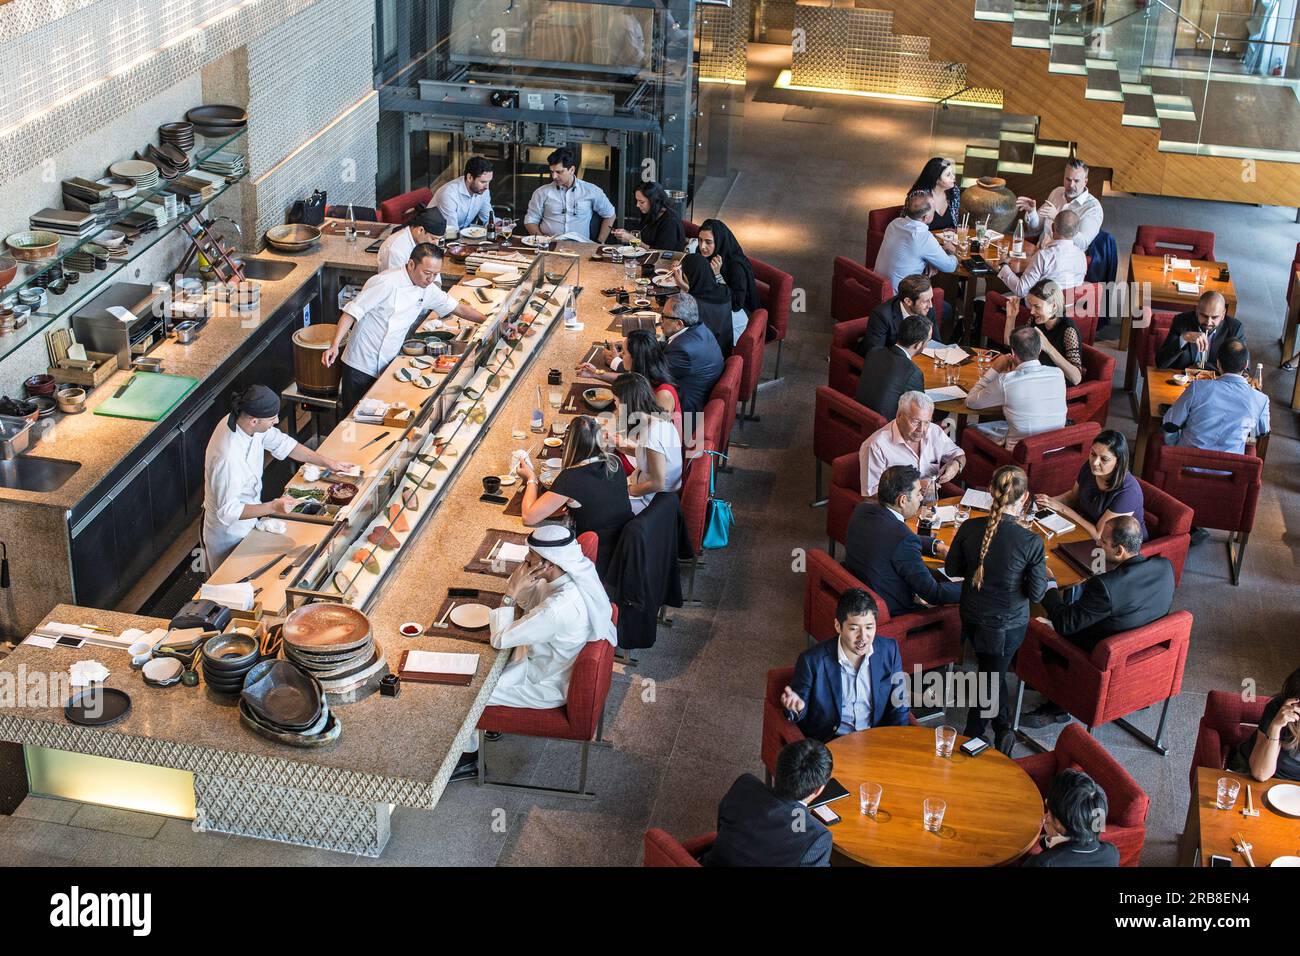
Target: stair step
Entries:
(1104, 83)
(998, 11)
(977, 166)
(1019, 123)
(1068, 59)
(1174, 106)
(1056, 148)
(1033, 34)
(1067, 39)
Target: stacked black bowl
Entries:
(282, 702)
(227, 659)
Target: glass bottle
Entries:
(1018, 241)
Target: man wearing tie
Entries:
(851, 683)
(1195, 338)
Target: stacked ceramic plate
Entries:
(284, 703)
(243, 296)
(122, 188)
(88, 257)
(141, 172)
(227, 659)
(333, 643)
(224, 164)
(180, 135)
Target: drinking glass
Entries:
(507, 228)
(932, 813)
(954, 375)
(556, 397)
(631, 269)
(1229, 787)
(944, 739)
(634, 237)
(1169, 262)
(963, 512)
(869, 798)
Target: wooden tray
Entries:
(479, 565)
(483, 635)
(105, 366)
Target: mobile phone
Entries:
(974, 746)
(621, 310)
(1217, 860)
(665, 256)
(68, 641)
(374, 246)
(494, 499)
(1043, 513)
(462, 592)
(826, 815)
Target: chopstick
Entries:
(1242, 847)
(445, 614)
(492, 554)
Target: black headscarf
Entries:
(703, 284)
(736, 268)
(256, 401)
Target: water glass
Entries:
(1229, 787)
(556, 397)
(869, 798)
(963, 512)
(933, 809)
(1169, 262)
(945, 738)
(634, 236)
(631, 268)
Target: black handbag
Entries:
(309, 211)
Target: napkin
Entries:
(85, 673)
(944, 514)
(237, 597)
(946, 394)
(1176, 263)
(509, 551)
(1187, 288)
(271, 525)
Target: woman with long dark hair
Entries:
(696, 276)
(1003, 567)
(643, 353)
(939, 179)
(728, 260)
(656, 444)
(661, 227)
(1274, 749)
(1105, 488)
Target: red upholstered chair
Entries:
(995, 318)
(726, 389)
(1085, 304)
(1227, 723)
(776, 289)
(750, 349)
(846, 361)
(589, 544)
(714, 418)
(878, 221)
(1295, 265)
(844, 495)
(1184, 243)
(691, 229)
(1050, 459)
(1089, 401)
(1124, 673)
(401, 209)
(855, 290)
(1148, 339)
(840, 426)
(777, 731)
(695, 509)
(580, 717)
(1126, 802)
(1169, 526)
(1221, 488)
(661, 849)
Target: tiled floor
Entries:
(687, 721)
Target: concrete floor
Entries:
(687, 721)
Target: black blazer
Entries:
(1135, 593)
(886, 374)
(643, 575)
(1015, 573)
(696, 364)
(885, 554)
(755, 829)
(883, 323)
(1174, 353)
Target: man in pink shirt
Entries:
(912, 438)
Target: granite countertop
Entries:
(100, 442)
(403, 749)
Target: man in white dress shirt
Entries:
(395, 251)
(232, 472)
(468, 200)
(1072, 194)
(913, 439)
(565, 608)
(565, 205)
(383, 313)
(1058, 259)
(1032, 395)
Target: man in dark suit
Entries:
(885, 554)
(889, 372)
(761, 826)
(915, 297)
(692, 352)
(1202, 331)
(1138, 591)
(851, 683)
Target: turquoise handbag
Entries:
(718, 517)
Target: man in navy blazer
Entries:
(692, 352)
(885, 554)
(851, 683)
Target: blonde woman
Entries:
(1059, 336)
(1004, 569)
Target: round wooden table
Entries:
(994, 809)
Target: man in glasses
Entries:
(1195, 338)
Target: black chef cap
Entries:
(431, 219)
(256, 401)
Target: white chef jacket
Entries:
(395, 252)
(1085, 204)
(555, 633)
(459, 206)
(385, 309)
(232, 478)
(557, 211)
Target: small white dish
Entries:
(1286, 861)
(418, 362)
(474, 232)
(472, 617)
(410, 629)
(311, 472)
(508, 480)
(141, 653)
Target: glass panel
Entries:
(110, 782)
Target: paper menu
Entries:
(974, 498)
(440, 662)
(509, 551)
(947, 393)
(1056, 524)
(944, 514)
(952, 354)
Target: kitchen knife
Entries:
(383, 451)
(125, 386)
(378, 437)
(264, 568)
(297, 562)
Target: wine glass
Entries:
(634, 237)
(507, 228)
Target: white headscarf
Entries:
(557, 544)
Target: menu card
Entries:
(437, 667)
(974, 498)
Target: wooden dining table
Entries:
(1209, 830)
(1159, 392)
(994, 811)
(965, 310)
(968, 373)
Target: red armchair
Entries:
(579, 719)
(994, 323)
(846, 361)
(1089, 401)
(1144, 344)
(750, 349)
(727, 388)
(844, 495)
(878, 221)
(1126, 802)
(695, 509)
(776, 289)
(1227, 723)
(1084, 304)
(1051, 459)
(1169, 526)
(777, 731)
(661, 849)
(1221, 488)
(855, 289)
(840, 426)
(1184, 243)
(401, 209)
(1124, 673)
(1295, 265)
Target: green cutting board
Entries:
(149, 396)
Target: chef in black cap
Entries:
(232, 471)
(427, 226)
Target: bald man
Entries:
(1198, 335)
(1058, 259)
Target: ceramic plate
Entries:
(98, 706)
(632, 252)
(406, 374)
(553, 442)
(1286, 861)
(476, 283)
(163, 671)
(474, 232)
(472, 617)
(665, 281)
(420, 362)
(1284, 798)
(507, 480)
(535, 241)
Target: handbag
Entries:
(309, 211)
(718, 518)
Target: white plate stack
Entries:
(141, 172)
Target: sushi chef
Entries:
(566, 608)
(396, 250)
(383, 312)
(232, 471)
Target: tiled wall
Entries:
(724, 41)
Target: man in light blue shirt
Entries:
(467, 200)
(1221, 414)
(909, 248)
(565, 205)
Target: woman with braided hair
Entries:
(1004, 569)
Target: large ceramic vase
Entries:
(990, 197)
